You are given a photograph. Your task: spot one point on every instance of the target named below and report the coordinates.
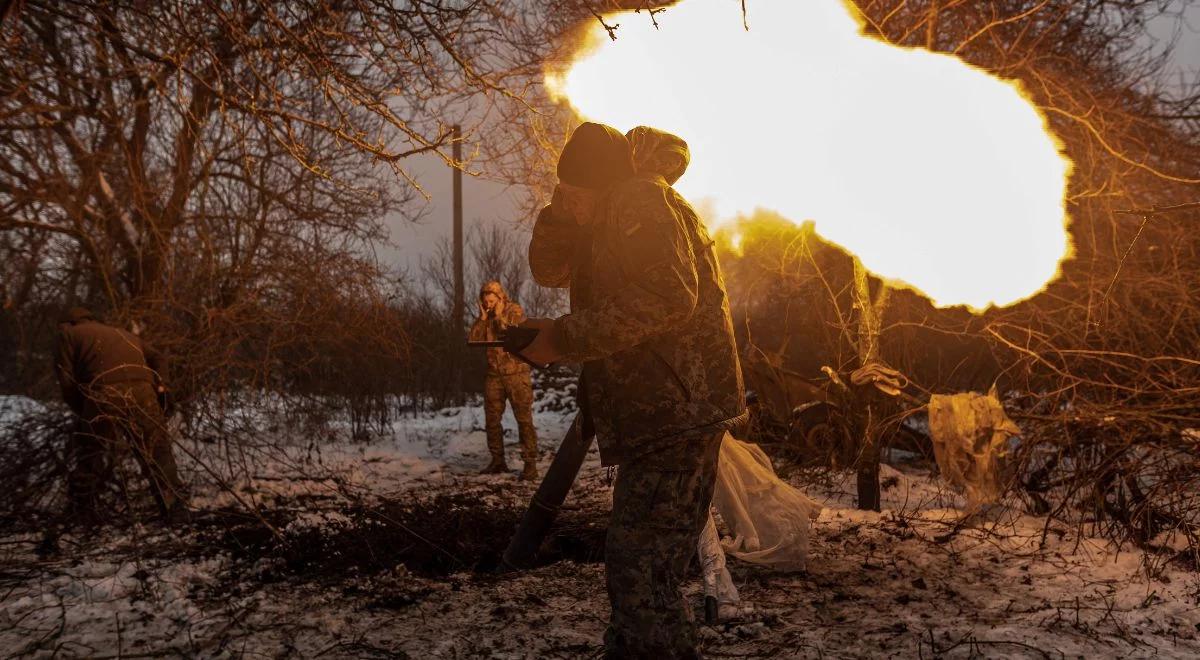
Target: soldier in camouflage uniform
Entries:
(508, 379)
(650, 323)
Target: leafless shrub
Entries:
(32, 463)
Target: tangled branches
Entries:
(1100, 368)
(32, 465)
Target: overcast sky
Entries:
(486, 203)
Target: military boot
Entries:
(497, 466)
(530, 473)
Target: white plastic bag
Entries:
(768, 518)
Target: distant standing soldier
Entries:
(111, 380)
(508, 379)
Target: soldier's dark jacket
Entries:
(649, 317)
(92, 354)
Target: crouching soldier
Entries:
(650, 323)
(508, 379)
(111, 381)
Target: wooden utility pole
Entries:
(459, 294)
(459, 304)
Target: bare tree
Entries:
(169, 161)
(217, 173)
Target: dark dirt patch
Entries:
(431, 538)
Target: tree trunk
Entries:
(871, 405)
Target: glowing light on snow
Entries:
(936, 174)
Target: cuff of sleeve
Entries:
(570, 339)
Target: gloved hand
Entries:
(534, 341)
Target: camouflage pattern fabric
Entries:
(484, 329)
(658, 153)
(508, 379)
(517, 389)
(649, 317)
(650, 323)
(660, 505)
(118, 418)
(558, 247)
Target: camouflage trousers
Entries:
(116, 419)
(660, 506)
(517, 389)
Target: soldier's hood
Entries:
(658, 153)
(595, 157)
(493, 287)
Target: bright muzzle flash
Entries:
(936, 174)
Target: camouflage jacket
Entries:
(500, 363)
(649, 318)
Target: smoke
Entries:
(936, 174)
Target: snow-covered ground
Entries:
(349, 576)
(426, 451)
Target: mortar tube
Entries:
(543, 508)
